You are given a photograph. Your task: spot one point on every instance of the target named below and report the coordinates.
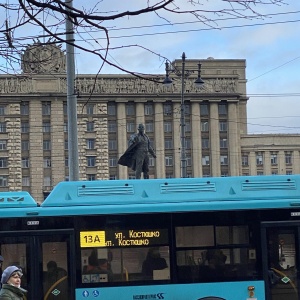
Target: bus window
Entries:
(129, 264)
(214, 253)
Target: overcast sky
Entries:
(270, 45)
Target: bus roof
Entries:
(72, 198)
(265, 191)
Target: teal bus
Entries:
(226, 238)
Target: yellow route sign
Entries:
(92, 239)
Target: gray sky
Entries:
(270, 46)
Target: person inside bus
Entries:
(11, 284)
(216, 265)
(104, 268)
(54, 273)
(152, 262)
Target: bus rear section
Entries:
(194, 239)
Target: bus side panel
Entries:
(224, 290)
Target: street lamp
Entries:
(198, 83)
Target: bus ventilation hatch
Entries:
(269, 185)
(167, 188)
(105, 191)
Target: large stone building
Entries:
(34, 137)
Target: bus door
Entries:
(46, 259)
(280, 245)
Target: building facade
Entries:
(34, 131)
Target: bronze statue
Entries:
(136, 156)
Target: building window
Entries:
(188, 162)
(168, 144)
(167, 127)
(25, 145)
(112, 145)
(3, 181)
(187, 109)
(112, 177)
(90, 143)
(260, 173)
(151, 161)
(24, 127)
(205, 143)
(3, 144)
(223, 143)
(46, 145)
(90, 126)
(187, 126)
(204, 126)
(24, 108)
(169, 161)
(188, 143)
(205, 160)
(65, 126)
(25, 181)
(289, 172)
(25, 162)
(91, 161)
(224, 174)
(288, 158)
(47, 181)
(259, 158)
(66, 161)
(90, 109)
(149, 127)
(245, 160)
(2, 127)
(130, 111)
(223, 126)
(224, 159)
(111, 109)
(66, 145)
(222, 109)
(130, 126)
(167, 109)
(112, 161)
(47, 126)
(91, 177)
(3, 162)
(112, 126)
(273, 158)
(47, 162)
(169, 175)
(149, 110)
(65, 108)
(46, 108)
(204, 109)
(2, 110)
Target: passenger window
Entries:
(208, 253)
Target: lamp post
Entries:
(199, 83)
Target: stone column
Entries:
(214, 140)
(58, 142)
(281, 163)
(234, 149)
(176, 138)
(36, 154)
(121, 138)
(139, 113)
(267, 163)
(252, 163)
(196, 140)
(159, 141)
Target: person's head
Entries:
(12, 275)
(141, 128)
(103, 264)
(51, 266)
(154, 252)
